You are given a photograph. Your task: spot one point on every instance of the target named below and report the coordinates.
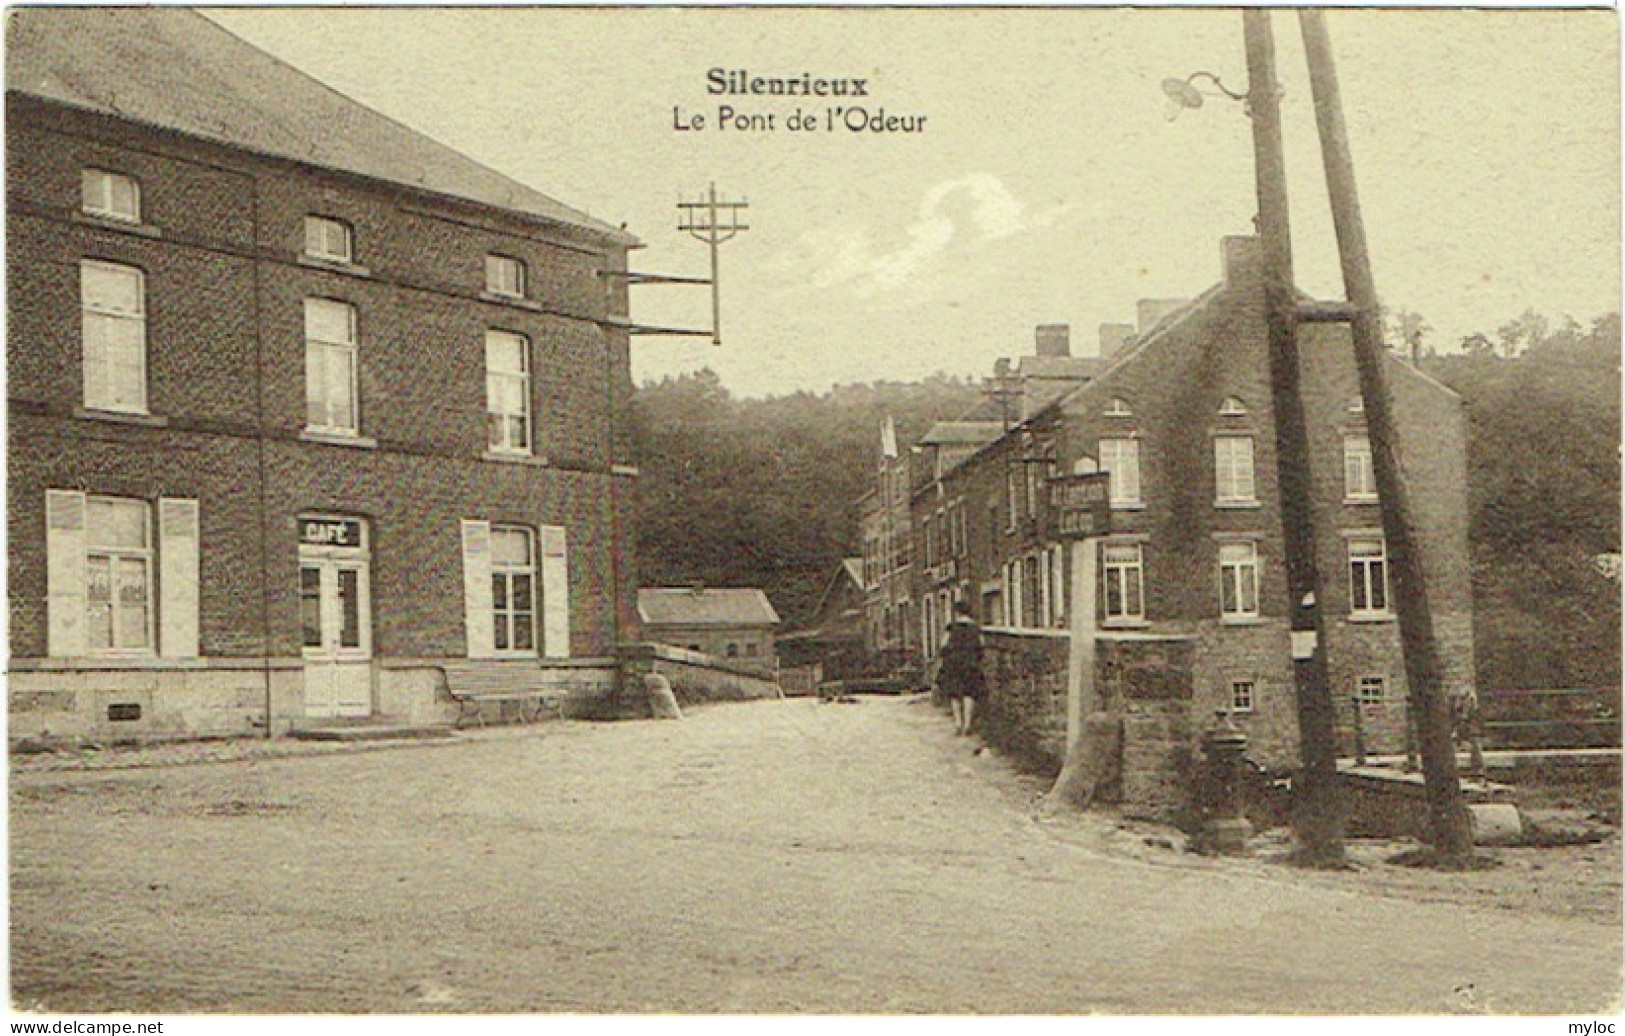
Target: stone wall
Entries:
(1025, 713)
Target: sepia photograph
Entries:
(812, 511)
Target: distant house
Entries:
(733, 624)
(833, 638)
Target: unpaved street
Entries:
(773, 857)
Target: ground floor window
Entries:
(1372, 689)
(118, 570)
(121, 575)
(513, 590)
(1124, 581)
(516, 590)
(1243, 695)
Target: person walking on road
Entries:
(960, 677)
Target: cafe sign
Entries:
(330, 532)
(1080, 506)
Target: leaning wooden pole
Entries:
(1318, 816)
(1450, 831)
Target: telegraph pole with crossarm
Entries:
(713, 221)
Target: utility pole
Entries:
(1450, 829)
(713, 222)
(1318, 816)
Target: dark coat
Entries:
(961, 672)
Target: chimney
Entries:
(1243, 259)
(1114, 338)
(1149, 311)
(1054, 340)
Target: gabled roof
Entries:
(705, 606)
(854, 570)
(173, 68)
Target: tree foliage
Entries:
(764, 492)
(1544, 470)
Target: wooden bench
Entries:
(472, 684)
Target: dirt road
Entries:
(775, 857)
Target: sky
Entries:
(1046, 183)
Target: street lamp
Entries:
(1183, 94)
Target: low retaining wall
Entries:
(1145, 681)
(695, 678)
(1393, 804)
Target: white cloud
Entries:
(970, 210)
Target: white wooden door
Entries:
(336, 631)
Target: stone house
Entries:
(1191, 589)
(303, 405)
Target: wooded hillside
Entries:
(763, 492)
(1544, 470)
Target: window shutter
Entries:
(1058, 584)
(178, 578)
(477, 589)
(65, 573)
(555, 593)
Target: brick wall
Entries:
(221, 252)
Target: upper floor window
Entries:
(1121, 458)
(1233, 469)
(1368, 577)
(507, 391)
(330, 367)
(513, 590)
(504, 276)
(110, 196)
(1118, 407)
(1123, 573)
(1232, 407)
(1012, 488)
(1238, 581)
(113, 309)
(328, 239)
(118, 575)
(1359, 479)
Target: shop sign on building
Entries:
(1080, 506)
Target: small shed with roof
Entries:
(732, 623)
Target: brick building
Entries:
(302, 404)
(1180, 413)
